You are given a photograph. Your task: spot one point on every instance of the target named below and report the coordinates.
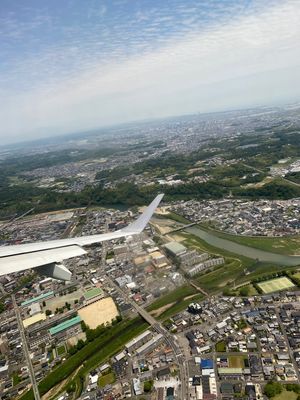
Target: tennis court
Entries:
(275, 285)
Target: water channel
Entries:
(246, 251)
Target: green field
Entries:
(285, 395)
(61, 350)
(274, 285)
(297, 275)
(221, 347)
(106, 379)
(236, 361)
(251, 290)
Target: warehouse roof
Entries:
(175, 247)
(65, 325)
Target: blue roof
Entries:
(207, 364)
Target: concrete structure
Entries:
(65, 325)
(34, 319)
(175, 249)
(137, 386)
(150, 345)
(159, 260)
(196, 269)
(138, 341)
(38, 298)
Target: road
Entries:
(264, 172)
(282, 327)
(157, 326)
(25, 350)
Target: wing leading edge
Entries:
(46, 256)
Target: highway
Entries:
(25, 350)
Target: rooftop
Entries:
(38, 298)
(34, 319)
(65, 325)
(175, 247)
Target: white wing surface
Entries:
(46, 256)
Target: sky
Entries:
(75, 65)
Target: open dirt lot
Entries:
(98, 313)
(60, 301)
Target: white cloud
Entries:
(249, 60)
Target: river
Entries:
(250, 252)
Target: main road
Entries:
(25, 350)
(158, 327)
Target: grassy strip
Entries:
(176, 217)
(288, 245)
(91, 354)
(234, 268)
(180, 305)
(106, 379)
(174, 296)
(216, 279)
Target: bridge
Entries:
(181, 228)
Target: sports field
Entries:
(274, 285)
(236, 361)
(99, 312)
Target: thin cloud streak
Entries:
(235, 63)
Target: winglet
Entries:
(139, 225)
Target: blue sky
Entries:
(80, 64)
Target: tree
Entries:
(148, 386)
(80, 344)
(48, 312)
(244, 291)
(2, 307)
(272, 389)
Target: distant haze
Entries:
(69, 66)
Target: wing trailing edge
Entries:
(49, 254)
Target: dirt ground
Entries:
(98, 313)
(74, 339)
(60, 301)
(159, 311)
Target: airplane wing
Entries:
(47, 256)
